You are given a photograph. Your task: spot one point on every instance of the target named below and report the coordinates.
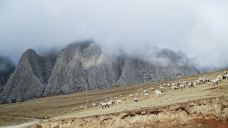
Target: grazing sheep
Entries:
(203, 80)
(81, 107)
(168, 84)
(197, 82)
(182, 86)
(225, 76)
(178, 83)
(158, 92)
(135, 99)
(151, 88)
(145, 91)
(194, 84)
(219, 78)
(131, 95)
(146, 94)
(110, 103)
(173, 84)
(104, 105)
(161, 88)
(215, 81)
(73, 109)
(174, 87)
(94, 104)
(191, 84)
(185, 82)
(119, 101)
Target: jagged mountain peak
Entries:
(83, 65)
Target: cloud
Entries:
(197, 28)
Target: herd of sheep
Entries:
(159, 90)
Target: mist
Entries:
(195, 28)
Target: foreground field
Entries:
(67, 107)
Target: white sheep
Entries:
(219, 78)
(110, 103)
(197, 82)
(225, 76)
(185, 82)
(215, 81)
(73, 109)
(81, 107)
(131, 95)
(190, 84)
(161, 88)
(146, 94)
(194, 84)
(158, 92)
(119, 101)
(173, 84)
(135, 99)
(145, 91)
(104, 105)
(94, 104)
(182, 86)
(174, 87)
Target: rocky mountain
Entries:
(6, 68)
(29, 78)
(83, 65)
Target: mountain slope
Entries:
(83, 66)
(29, 78)
(6, 68)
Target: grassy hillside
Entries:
(69, 105)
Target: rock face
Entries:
(29, 78)
(82, 66)
(6, 68)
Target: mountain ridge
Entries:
(83, 66)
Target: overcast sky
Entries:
(199, 28)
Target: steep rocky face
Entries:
(29, 78)
(6, 68)
(83, 66)
(73, 68)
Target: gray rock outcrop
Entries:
(29, 78)
(83, 66)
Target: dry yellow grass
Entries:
(58, 106)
